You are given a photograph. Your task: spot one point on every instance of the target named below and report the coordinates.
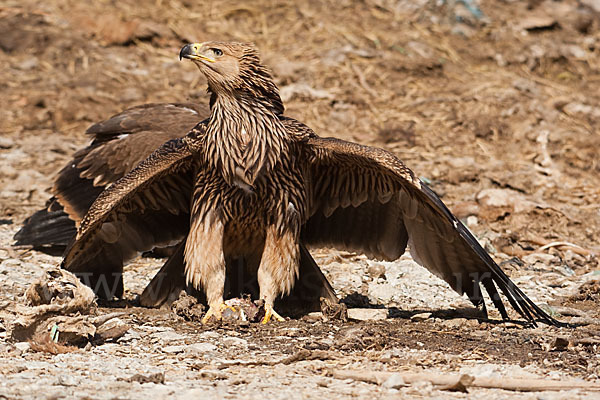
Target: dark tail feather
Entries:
(489, 286)
(310, 287)
(46, 229)
(168, 282)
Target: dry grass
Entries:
(518, 108)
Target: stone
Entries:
(455, 323)
(376, 271)
(200, 348)
(593, 4)
(395, 381)
(168, 336)
(367, 314)
(233, 341)
(505, 198)
(420, 317)
(6, 143)
(533, 22)
(23, 346)
(382, 293)
(112, 329)
(173, 349)
(472, 221)
(313, 316)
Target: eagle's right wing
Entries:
(146, 208)
(119, 144)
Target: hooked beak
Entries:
(192, 52)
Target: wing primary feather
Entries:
(488, 284)
(520, 302)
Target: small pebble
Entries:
(376, 271)
(23, 346)
(420, 317)
(173, 349)
(395, 381)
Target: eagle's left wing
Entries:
(365, 199)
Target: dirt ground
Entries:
(494, 103)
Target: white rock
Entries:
(23, 346)
(66, 380)
(394, 272)
(6, 143)
(210, 335)
(579, 108)
(395, 381)
(200, 348)
(593, 4)
(129, 336)
(420, 317)
(376, 270)
(233, 341)
(348, 280)
(505, 198)
(382, 293)
(367, 314)
(168, 336)
(472, 221)
(173, 349)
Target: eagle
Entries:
(118, 145)
(248, 189)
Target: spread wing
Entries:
(366, 200)
(123, 141)
(148, 207)
(118, 145)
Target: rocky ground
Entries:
(495, 103)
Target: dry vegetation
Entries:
(499, 112)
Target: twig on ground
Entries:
(572, 246)
(301, 355)
(451, 380)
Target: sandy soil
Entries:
(498, 111)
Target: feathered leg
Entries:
(205, 261)
(278, 268)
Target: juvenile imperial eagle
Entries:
(249, 188)
(118, 145)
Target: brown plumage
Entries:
(118, 144)
(258, 186)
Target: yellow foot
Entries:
(216, 312)
(270, 313)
